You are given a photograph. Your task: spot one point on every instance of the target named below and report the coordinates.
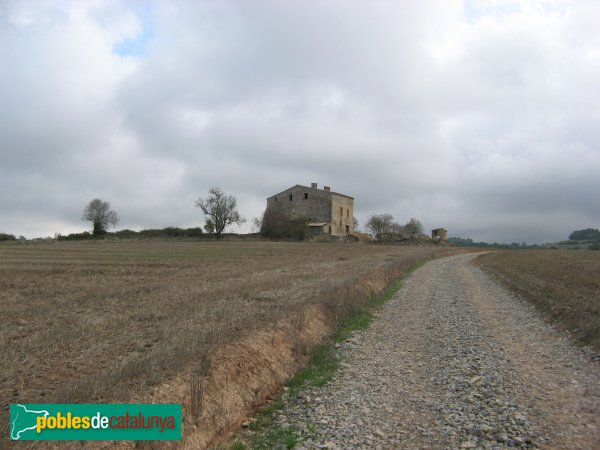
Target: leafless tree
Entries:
(413, 226)
(383, 224)
(257, 224)
(99, 213)
(380, 224)
(220, 210)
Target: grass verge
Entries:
(322, 365)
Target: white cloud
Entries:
(478, 116)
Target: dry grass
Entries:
(102, 321)
(563, 284)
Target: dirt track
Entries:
(455, 361)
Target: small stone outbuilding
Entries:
(439, 234)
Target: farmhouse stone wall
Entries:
(342, 217)
(335, 210)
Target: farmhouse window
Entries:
(306, 196)
(291, 197)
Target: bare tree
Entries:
(257, 224)
(396, 228)
(99, 213)
(413, 226)
(380, 224)
(220, 210)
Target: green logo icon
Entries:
(23, 419)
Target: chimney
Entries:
(326, 188)
(313, 185)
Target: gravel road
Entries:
(454, 361)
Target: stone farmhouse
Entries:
(327, 212)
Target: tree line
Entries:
(220, 211)
(382, 225)
(591, 235)
(167, 232)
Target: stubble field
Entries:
(563, 284)
(104, 321)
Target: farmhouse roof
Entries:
(310, 189)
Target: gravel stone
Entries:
(454, 361)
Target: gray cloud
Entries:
(478, 116)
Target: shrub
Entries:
(275, 225)
(7, 237)
(587, 234)
(594, 247)
(126, 233)
(168, 232)
(75, 236)
(194, 232)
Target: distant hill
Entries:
(468, 242)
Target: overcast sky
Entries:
(479, 116)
